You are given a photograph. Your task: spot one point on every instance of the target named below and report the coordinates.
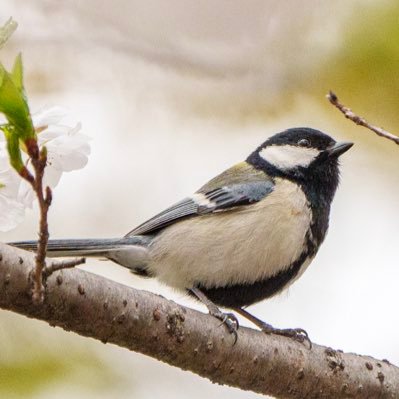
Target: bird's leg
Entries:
(228, 319)
(298, 334)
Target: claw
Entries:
(297, 334)
(300, 335)
(229, 317)
(230, 321)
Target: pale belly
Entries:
(241, 246)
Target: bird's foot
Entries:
(229, 320)
(297, 334)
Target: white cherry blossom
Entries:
(11, 209)
(67, 149)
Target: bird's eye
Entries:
(304, 143)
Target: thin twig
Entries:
(349, 114)
(59, 265)
(39, 160)
(44, 196)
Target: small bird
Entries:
(244, 236)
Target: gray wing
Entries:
(203, 202)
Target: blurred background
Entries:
(172, 93)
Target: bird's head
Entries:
(304, 155)
(298, 153)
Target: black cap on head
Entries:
(294, 136)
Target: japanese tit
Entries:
(244, 236)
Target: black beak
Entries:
(339, 148)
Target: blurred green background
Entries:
(171, 94)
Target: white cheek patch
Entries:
(288, 156)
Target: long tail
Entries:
(130, 252)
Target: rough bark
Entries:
(93, 306)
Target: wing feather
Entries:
(178, 211)
(211, 198)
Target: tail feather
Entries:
(96, 247)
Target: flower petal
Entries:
(48, 116)
(11, 213)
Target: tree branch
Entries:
(58, 265)
(95, 307)
(349, 114)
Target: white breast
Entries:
(234, 247)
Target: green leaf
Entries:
(17, 74)
(7, 30)
(14, 106)
(13, 148)
(13, 103)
